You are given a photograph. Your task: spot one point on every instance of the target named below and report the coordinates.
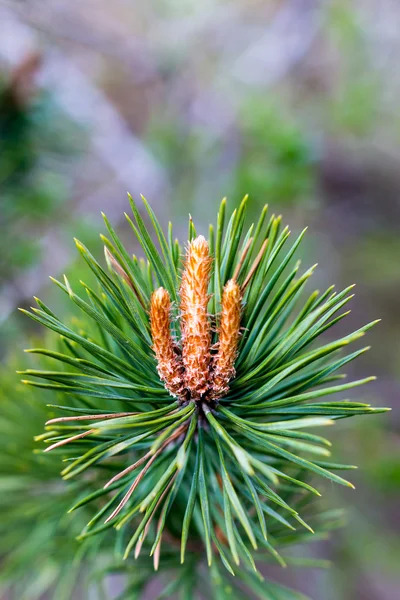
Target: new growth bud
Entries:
(169, 364)
(229, 332)
(195, 325)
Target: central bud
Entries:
(195, 323)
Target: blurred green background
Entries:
(293, 102)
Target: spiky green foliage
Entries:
(230, 482)
(39, 552)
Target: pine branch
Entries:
(193, 384)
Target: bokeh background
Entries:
(294, 102)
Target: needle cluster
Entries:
(190, 383)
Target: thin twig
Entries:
(91, 417)
(140, 475)
(129, 469)
(132, 488)
(242, 259)
(254, 265)
(70, 439)
(146, 529)
(122, 273)
(156, 558)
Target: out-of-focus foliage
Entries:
(271, 155)
(354, 104)
(276, 159)
(38, 549)
(36, 143)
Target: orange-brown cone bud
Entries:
(229, 332)
(169, 365)
(195, 325)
